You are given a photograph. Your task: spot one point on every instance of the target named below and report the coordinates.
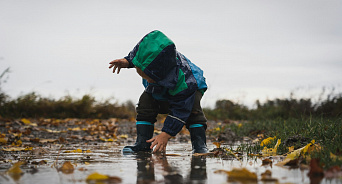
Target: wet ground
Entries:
(180, 167)
(91, 151)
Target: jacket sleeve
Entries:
(180, 110)
(131, 55)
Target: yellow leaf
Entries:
(242, 175)
(217, 144)
(267, 141)
(15, 172)
(88, 151)
(18, 149)
(291, 148)
(18, 143)
(230, 151)
(123, 136)
(28, 149)
(239, 125)
(15, 169)
(306, 148)
(334, 157)
(2, 135)
(271, 151)
(3, 140)
(67, 168)
(75, 129)
(54, 131)
(86, 163)
(295, 154)
(97, 177)
(25, 121)
(17, 134)
(106, 140)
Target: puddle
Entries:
(89, 154)
(107, 159)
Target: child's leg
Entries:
(197, 124)
(147, 111)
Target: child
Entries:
(173, 86)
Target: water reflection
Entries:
(198, 170)
(172, 174)
(145, 166)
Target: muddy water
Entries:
(107, 159)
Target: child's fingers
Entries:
(153, 144)
(150, 140)
(114, 68)
(158, 148)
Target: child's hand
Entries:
(160, 141)
(118, 64)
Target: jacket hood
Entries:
(156, 57)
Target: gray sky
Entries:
(248, 50)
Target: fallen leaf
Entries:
(123, 136)
(97, 177)
(18, 149)
(202, 154)
(240, 175)
(217, 144)
(291, 148)
(82, 169)
(296, 153)
(3, 140)
(315, 169)
(48, 140)
(271, 151)
(67, 168)
(61, 140)
(17, 143)
(316, 173)
(42, 162)
(267, 162)
(25, 121)
(73, 151)
(15, 172)
(267, 177)
(36, 140)
(15, 169)
(335, 158)
(175, 155)
(267, 141)
(106, 140)
(75, 129)
(40, 151)
(54, 131)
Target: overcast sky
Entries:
(248, 50)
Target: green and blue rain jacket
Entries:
(177, 78)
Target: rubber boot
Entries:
(198, 140)
(144, 133)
